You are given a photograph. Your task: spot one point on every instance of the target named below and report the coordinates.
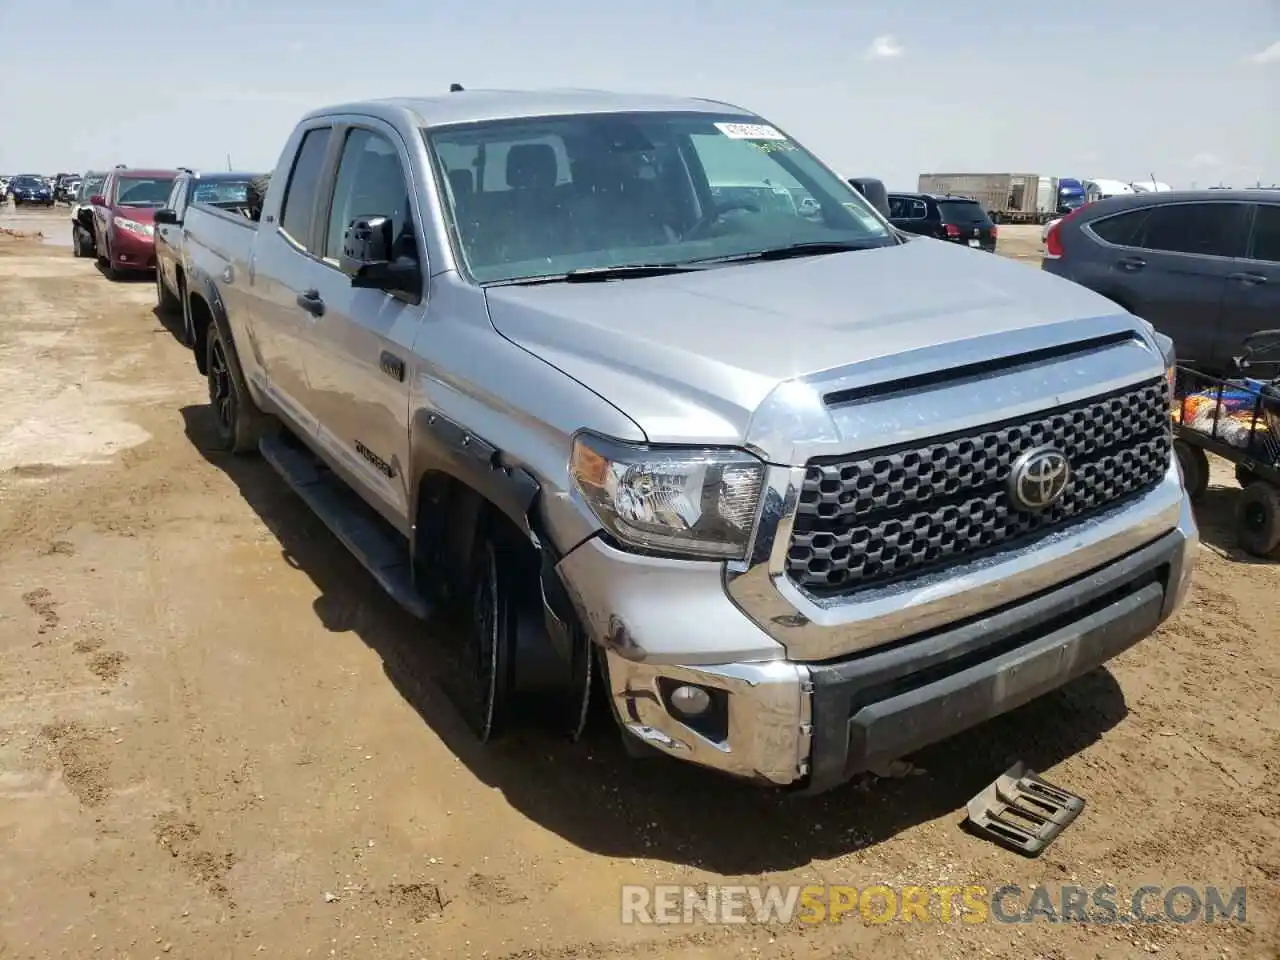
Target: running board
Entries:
(382, 551)
(1022, 811)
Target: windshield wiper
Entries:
(810, 249)
(624, 271)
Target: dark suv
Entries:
(1202, 267)
(958, 219)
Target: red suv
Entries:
(123, 217)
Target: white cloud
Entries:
(1270, 55)
(885, 47)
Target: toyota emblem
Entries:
(1039, 478)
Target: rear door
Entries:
(1175, 274)
(909, 214)
(1253, 286)
(971, 222)
(359, 359)
(285, 274)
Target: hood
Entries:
(30, 187)
(138, 214)
(691, 356)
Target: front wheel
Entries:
(490, 644)
(1258, 519)
(237, 423)
(166, 302)
(1195, 468)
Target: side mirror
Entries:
(167, 216)
(367, 259)
(98, 200)
(367, 241)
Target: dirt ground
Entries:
(218, 739)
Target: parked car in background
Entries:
(64, 189)
(222, 191)
(4, 187)
(123, 216)
(873, 190)
(1202, 267)
(957, 219)
(82, 231)
(512, 349)
(29, 188)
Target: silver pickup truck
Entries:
(799, 495)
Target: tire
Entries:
(1258, 519)
(166, 302)
(1195, 468)
(490, 644)
(1245, 476)
(238, 424)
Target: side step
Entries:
(375, 544)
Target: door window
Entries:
(176, 196)
(1120, 229)
(298, 215)
(1206, 229)
(370, 182)
(1266, 233)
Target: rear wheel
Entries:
(1195, 468)
(1258, 519)
(238, 425)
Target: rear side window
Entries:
(1206, 229)
(300, 195)
(907, 208)
(1121, 228)
(1266, 233)
(962, 211)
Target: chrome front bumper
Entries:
(763, 642)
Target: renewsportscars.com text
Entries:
(971, 903)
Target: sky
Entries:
(1184, 90)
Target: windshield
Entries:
(89, 187)
(221, 191)
(540, 197)
(143, 191)
(22, 181)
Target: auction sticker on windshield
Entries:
(749, 131)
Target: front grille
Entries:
(908, 511)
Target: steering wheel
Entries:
(699, 230)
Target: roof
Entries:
(1153, 198)
(933, 196)
(217, 176)
(143, 172)
(467, 106)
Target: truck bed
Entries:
(215, 239)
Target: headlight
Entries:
(693, 502)
(133, 226)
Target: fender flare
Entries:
(439, 445)
(200, 285)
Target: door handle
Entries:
(311, 302)
(1247, 278)
(392, 366)
(1131, 263)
